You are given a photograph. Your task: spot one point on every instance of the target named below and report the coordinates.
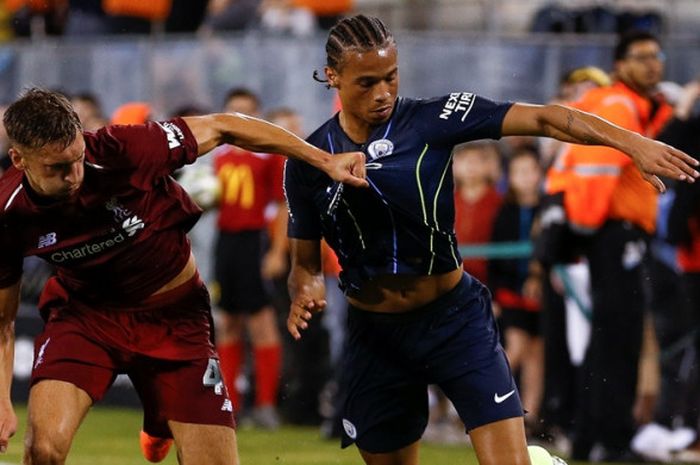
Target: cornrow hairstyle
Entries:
(41, 117)
(358, 33)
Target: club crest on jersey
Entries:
(118, 210)
(380, 148)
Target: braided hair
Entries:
(359, 33)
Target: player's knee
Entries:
(46, 449)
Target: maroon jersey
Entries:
(124, 236)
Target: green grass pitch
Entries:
(109, 436)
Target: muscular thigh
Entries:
(55, 411)
(210, 444)
(189, 391)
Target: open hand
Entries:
(348, 168)
(301, 311)
(656, 159)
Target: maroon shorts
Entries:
(164, 346)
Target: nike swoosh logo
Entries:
(498, 399)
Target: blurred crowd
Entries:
(607, 367)
(70, 18)
(37, 18)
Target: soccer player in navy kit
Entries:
(415, 317)
(127, 298)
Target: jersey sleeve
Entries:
(304, 221)
(150, 151)
(460, 117)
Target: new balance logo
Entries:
(47, 240)
(499, 399)
(227, 407)
(133, 224)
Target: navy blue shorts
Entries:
(391, 358)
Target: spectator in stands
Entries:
(132, 113)
(328, 12)
(86, 17)
(572, 86)
(37, 17)
(516, 291)
(606, 198)
(89, 110)
(231, 15)
(136, 16)
(476, 200)
(284, 16)
(250, 183)
(186, 15)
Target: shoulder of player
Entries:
(319, 137)
(10, 185)
(407, 108)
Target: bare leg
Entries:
(262, 327)
(406, 456)
(501, 443)
(56, 409)
(204, 444)
(532, 377)
(230, 328)
(516, 346)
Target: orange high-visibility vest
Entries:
(152, 10)
(326, 7)
(602, 183)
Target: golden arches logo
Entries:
(238, 185)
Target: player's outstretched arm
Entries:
(307, 289)
(9, 303)
(653, 158)
(261, 136)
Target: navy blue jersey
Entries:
(404, 222)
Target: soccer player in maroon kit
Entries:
(126, 298)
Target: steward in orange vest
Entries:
(601, 183)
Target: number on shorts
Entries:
(212, 375)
